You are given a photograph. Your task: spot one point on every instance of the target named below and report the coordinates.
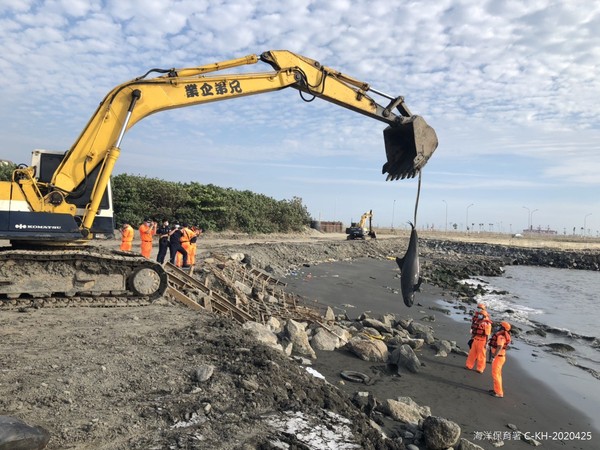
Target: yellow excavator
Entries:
(359, 230)
(51, 208)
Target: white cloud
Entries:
(508, 85)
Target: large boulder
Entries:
(401, 333)
(389, 320)
(343, 334)
(427, 336)
(262, 334)
(399, 340)
(296, 333)
(274, 325)
(415, 344)
(370, 332)
(416, 327)
(442, 347)
(405, 410)
(378, 325)
(424, 411)
(404, 356)
(440, 433)
(324, 340)
(243, 287)
(329, 315)
(402, 324)
(368, 349)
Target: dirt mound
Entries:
(279, 258)
(129, 379)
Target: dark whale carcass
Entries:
(410, 278)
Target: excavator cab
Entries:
(408, 147)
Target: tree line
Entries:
(210, 207)
(6, 170)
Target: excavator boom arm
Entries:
(409, 140)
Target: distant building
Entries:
(539, 230)
(327, 227)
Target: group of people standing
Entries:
(481, 339)
(180, 240)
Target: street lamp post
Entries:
(528, 216)
(467, 218)
(531, 219)
(584, 222)
(446, 222)
(393, 212)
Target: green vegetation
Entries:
(6, 170)
(208, 206)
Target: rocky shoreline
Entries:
(475, 259)
(390, 341)
(444, 263)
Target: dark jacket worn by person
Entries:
(163, 242)
(175, 246)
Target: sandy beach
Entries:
(444, 385)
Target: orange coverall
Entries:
(126, 238)
(186, 235)
(193, 245)
(499, 360)
(481, 331)
(146, 234)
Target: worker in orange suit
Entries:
(126, 237)
(147, 231)
(481, 331)
(499, 343)
(479, 314)
(196, 232)
(186, 236)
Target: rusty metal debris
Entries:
(233, 289)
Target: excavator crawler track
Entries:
(78, 277)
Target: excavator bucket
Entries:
(408, 147)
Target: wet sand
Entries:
(443, 384)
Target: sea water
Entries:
(564, 302)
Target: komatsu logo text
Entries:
(23, 226)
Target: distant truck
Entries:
(359, 230)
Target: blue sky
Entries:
(510, 87)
